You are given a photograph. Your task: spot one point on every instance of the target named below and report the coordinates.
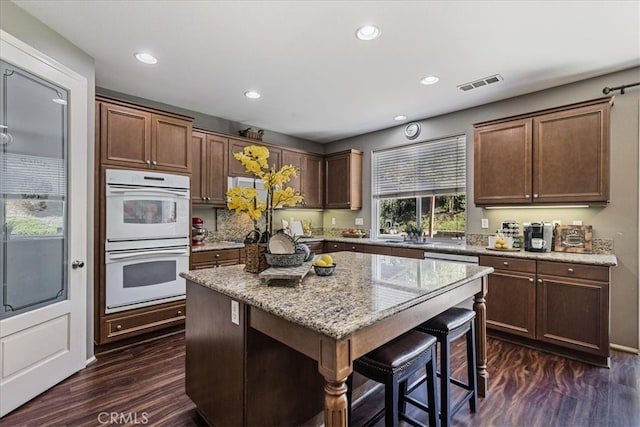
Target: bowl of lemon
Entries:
(324, 265)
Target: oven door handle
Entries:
(145, 253)
(115, 189)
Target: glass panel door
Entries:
(33, 186)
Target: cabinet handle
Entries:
(353, 248)
(531, 279)
(570, 270)
(335, 246)
(208, 198)
(154, 163)
(148, 162)
(535, 196)
(118, 327)
(217, 255)
(527, 196)
(539, 280)
(179, 312)
(505, 263)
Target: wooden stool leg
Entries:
(432, 390)
(391, 403)
(471, 367)
(445, 385)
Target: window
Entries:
(420, 189)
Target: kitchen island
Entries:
(269, 355)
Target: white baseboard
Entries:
(624, 348)
(91, 360)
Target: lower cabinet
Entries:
(343, 246)
(233, 373)
(556, 306)
(216, 258)
(316, 247)
(117, 326)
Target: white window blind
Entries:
(422, 169)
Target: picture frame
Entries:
(573, 238)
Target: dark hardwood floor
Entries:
(144, 385)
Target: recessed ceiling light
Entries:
(252, 94)
(400, 118)
(147, 58)
(429, 80)
(367, 32)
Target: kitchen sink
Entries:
(427, 243)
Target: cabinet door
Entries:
(237, 146)
(343, 180)
(296, 159)
(199, 170)
(511, 303)
(573, 313)
(312, 181)
(502, 163)
(125, 136)
(171, 144)
(217, 170)
(571, 155)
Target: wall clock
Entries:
(412, 130)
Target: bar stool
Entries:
(392, 364)
(447, 327)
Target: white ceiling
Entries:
(318, 82)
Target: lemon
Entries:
(327, 259)
(320, 263)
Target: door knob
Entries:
(77, 264)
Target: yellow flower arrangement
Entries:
(245, 199)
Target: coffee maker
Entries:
(538, 236)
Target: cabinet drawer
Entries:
(509, 264)
(582, 271)
(208, 259)
(134, 324)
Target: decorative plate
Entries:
(281, 244)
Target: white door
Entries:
(43, 316)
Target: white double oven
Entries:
(147, 238)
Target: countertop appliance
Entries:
(147, 242)
(538, 236)
(198, 232)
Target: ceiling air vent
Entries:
(479, 83)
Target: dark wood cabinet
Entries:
(135, 137)
(343, 180)
(216, 258)
(343, 246)
(131, 323)
(511, 307)
(553, 156)
(210, 169)
(557, 306)
(237, 146)
(316, 247)
(573, 306)
(309, 180)
(233, 373)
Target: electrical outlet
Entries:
(484, 223)
(235, 312)
(359, 221)
(333, 221)
(577, 222)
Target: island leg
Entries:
(335, 404)
(480, 307)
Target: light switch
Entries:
(359, 221)
(484, 223)
(235, 312)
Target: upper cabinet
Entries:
(237, 145)
(140, 138)
(309, 179)
(556, 156)
(210, 169)
(343, 180)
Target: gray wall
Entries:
(617, 221)
(23, 26)
(216, 124)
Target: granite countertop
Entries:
(364, 289)
(454, 247)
